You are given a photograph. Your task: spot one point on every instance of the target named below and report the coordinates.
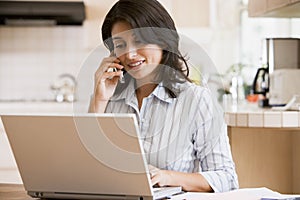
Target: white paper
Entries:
(244, 194)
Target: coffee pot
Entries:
(261, 86)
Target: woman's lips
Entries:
(135, 65)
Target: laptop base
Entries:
(55, 195)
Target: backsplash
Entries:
(32, 58)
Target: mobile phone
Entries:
(121, 79)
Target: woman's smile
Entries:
(135, 65)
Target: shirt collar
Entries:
(129, 92)
(161, 93)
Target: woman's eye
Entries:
(119, 46)
(138, 42)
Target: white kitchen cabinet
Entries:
(8, 167)
(274, 8)
(7, 159)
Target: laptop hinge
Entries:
(63, 195)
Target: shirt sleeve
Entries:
(212, 146)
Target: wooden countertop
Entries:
(13, 192)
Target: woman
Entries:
(183, 133)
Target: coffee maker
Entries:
(276, 80)
(261, 85)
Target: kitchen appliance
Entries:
(65, 88)
(284, 84)
(261, 85)
(41, 13)
(281, 57)
(281, 53)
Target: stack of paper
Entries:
(244, 194)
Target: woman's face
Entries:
(139, 59)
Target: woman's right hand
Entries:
(106, 81)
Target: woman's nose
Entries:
(131, 52)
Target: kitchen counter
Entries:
(265, 146)
(35, 107)
(250, 115)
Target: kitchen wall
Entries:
(259, 28)
(32, 58)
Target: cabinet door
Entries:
(274, 4)
(257, 7)
(274, 8)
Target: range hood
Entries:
(41, 13)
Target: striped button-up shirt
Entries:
(185, 134)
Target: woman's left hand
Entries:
(193, 182)
(159, 177)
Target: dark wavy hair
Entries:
(151, 24)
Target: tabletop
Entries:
(17, 192)
(13, 192)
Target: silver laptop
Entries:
(89, 156)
